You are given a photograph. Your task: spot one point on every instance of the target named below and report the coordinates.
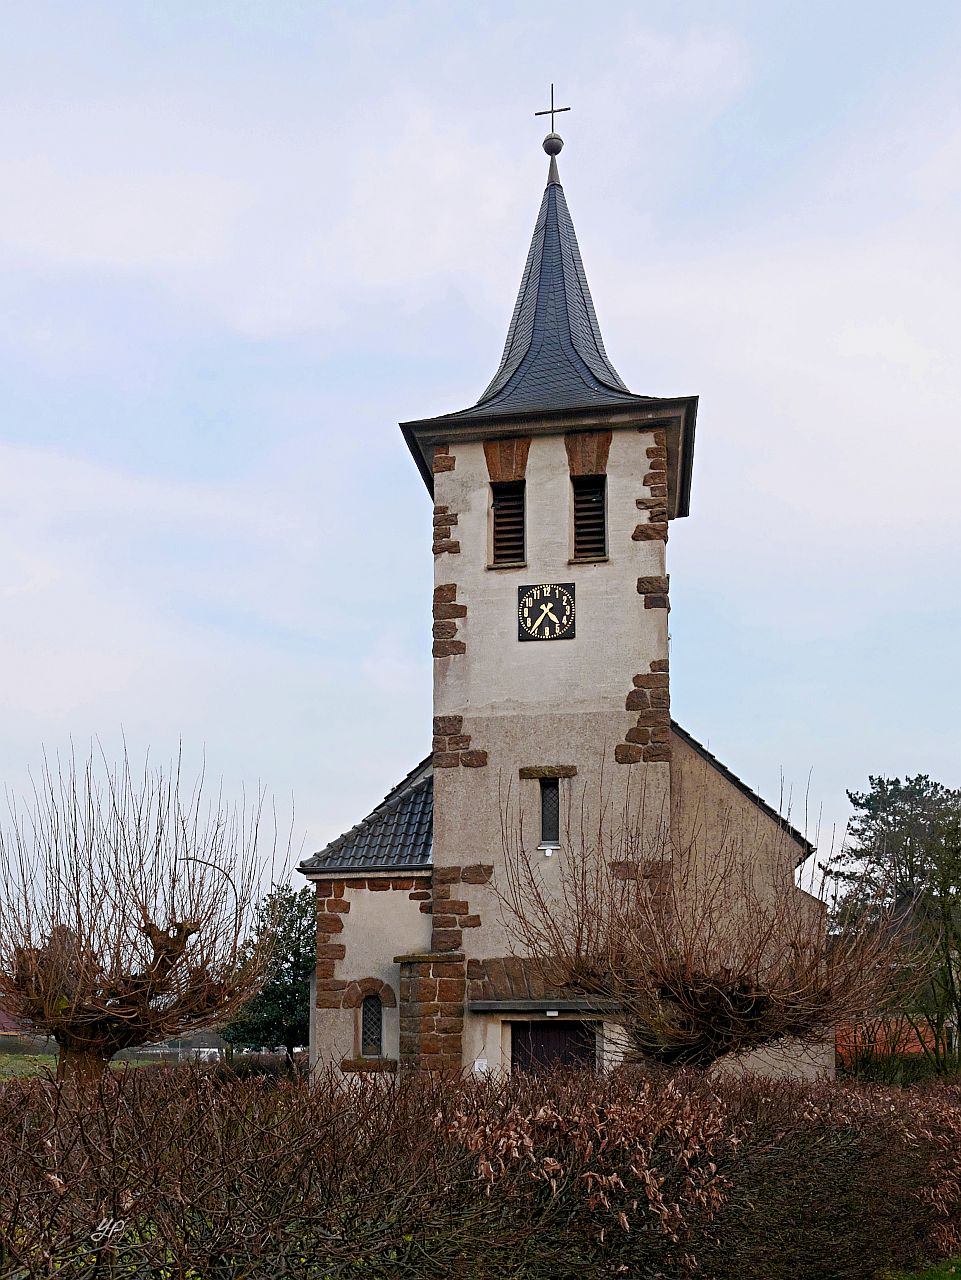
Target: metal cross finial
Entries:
(553, 110)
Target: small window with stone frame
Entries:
(371, 1027)
(550, 813)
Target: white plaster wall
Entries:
(531, 704)
(334, 1038)
(471, 805)
(559, 702)
(615, 634)
(380, 925)
(793, 1060)
(487, 1039)
(711, 812)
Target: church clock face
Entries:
(546, 612)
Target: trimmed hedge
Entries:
(181, 1172)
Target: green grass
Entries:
(31, 1064)
(940, 1271)
(25, 1064)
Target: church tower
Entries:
(553, 496)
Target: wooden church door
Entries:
(552, 1043)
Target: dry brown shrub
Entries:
(699, 947)
(549, 1178)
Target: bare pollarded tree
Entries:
(699, 948)
(126, 905)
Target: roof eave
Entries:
(684, 466)
(801, 840)
(353, 872)
(676, 414)
(423, 464)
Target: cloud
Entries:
(248, 257)
(698, 68)
(208, 613)
(89, 623)
(822, 348)
(277, 227)
(58, 214)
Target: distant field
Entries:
(942, 1271)
(26, 1064)
(32, 1064)
(951, 1267)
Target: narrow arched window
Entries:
(371, 1027)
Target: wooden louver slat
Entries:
(508, 505)
(590, 517)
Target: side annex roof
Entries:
(398, 834)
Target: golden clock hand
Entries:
(551, 615)
(545, 609)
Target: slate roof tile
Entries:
(554, 357)
(398, 833)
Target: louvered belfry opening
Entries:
(590, 517)
(508, 506)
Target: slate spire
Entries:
(554, 372)
(554, 356)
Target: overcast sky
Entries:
(241, 240)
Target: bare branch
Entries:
(703, 949)
(127, 902)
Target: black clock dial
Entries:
(546, 612)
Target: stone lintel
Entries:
(368, 1064)
(541, 1006)
(421, 957)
